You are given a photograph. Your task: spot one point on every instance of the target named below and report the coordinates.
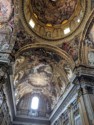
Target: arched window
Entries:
(35, 103)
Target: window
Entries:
(67, 30)
(35, 103)
(31, 23)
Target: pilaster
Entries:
(71, 117)
(85, 82)
(82, 110)
(4, 108)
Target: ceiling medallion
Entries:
(48, 19)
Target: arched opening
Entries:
(34, 103)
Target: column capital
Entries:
(83, 90)
(84, 70)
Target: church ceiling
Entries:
(40, 70)
(44, 57)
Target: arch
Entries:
(58, 75)
(50, 47)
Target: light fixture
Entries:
(54, 0)
(32, 23)
(35, 103)
(67, 30)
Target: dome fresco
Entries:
(53, 12)
(52, 20)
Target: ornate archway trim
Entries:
(55, 49)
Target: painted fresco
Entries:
(54, 12)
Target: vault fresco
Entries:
(38, 70)
(40, 75)
(72, 49)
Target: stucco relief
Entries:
(91, 46)
(6, 25)
(4, 45)
(91, 58)
(91, 34)
(89, 39)
(5, 37)
(4, 57)
(68, 71)
(5, 10)
(87, 42)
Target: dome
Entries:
(53, 12)
(52, 20)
